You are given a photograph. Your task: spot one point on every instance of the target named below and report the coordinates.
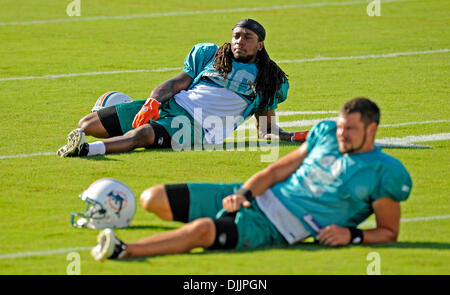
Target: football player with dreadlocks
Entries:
(228, 83)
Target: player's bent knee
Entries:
(143, 136)
(204, 231)
(155, 200)
(84, 122)
(92, 125)
(150, 198)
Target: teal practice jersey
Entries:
(199, 65)
(335, 188)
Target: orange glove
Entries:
(149, 111)
(299, 136)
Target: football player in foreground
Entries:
(218, 89)
(324, 189)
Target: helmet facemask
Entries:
(94, 211)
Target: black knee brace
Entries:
(226, 233)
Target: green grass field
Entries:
(38, 191)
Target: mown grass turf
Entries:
(38, 193)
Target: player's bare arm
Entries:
(169, 88)
(387, 215)
(162, 93)
(273, 131)
(268, 177)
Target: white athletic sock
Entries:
(96, 148)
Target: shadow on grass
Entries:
(311, 246)
(152, 227)
(235, 146)
(99, 158)
(413, 245)
(306, 247)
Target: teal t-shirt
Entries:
(199, 65)
(337, 188)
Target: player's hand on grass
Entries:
(334, 235)
(296, 137)
(271, 137)
(233, 203)
(149, 111)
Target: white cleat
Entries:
(75, 143)
(109, 247)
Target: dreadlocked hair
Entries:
(268, 81)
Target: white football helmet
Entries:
(110, 204)
(110, 98)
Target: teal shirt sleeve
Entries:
(198, 58)
(318, 132)
(395, 181)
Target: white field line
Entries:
(392, 142)
(68, 250)
(395, 54)
(387, 55)
(412, 139)
(160, 70)
(28, 155)
(413, 123)
(302, 123)
(290, 113)
(315, 121)
(43, 253)
(196, 12)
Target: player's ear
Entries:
(260, 45)
(372, 129)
